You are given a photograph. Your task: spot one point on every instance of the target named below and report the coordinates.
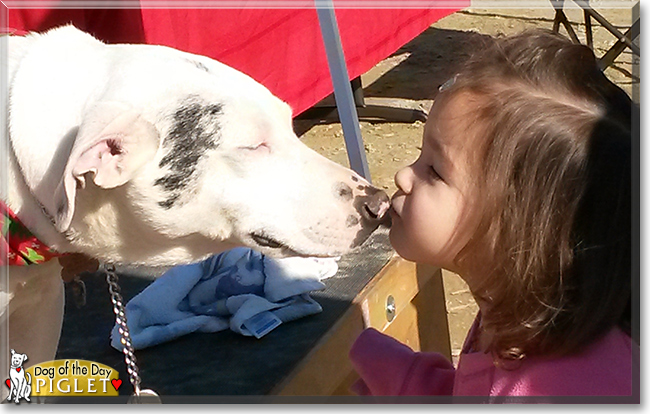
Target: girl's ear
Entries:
(112, 143)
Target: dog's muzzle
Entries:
(373, 206)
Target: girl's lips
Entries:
(396, 201)
(393, 213)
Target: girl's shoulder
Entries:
(604, 367)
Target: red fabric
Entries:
(18, 246)
(111, 26)
(282, 49)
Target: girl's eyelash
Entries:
(434, 173)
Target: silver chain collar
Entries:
(139, 395)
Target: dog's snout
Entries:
(373, 205)
(378, 204)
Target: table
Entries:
(305, 360)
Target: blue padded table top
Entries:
(200, 366)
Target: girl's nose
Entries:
(404, 179)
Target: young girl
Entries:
(523, 187)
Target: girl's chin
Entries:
(398, 241)
(403, 246)
(393, 214)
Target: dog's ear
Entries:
(112, 143)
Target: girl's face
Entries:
(430, 210)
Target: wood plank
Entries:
(433, 320)
(326, 370)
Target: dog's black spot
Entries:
(194, 131)
(355, 179)
(361, 187)
(199, 65)
(343, 191)
(167, 204)
(172, 182)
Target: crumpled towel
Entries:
(240, 289)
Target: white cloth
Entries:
(240, 289)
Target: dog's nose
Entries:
(374, 204)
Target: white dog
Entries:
(21, 382)
(147, 155)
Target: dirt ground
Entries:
(414, 73)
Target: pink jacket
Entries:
(388, 367)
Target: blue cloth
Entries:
(240, 289)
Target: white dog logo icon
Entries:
(21, 382)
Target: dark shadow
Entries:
(110, 25)
(435, 56)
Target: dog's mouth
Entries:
(281, 249)
(264, 240)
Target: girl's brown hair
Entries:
(555, 189)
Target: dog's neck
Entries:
(19, 46)
(51, 71)
(15, 191)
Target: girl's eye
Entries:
(434, 174)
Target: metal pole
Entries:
(342, 89)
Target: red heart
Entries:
(18, 369)
(8, 382)
(116, 383)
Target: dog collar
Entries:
(18, 246)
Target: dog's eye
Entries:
(262, 146)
